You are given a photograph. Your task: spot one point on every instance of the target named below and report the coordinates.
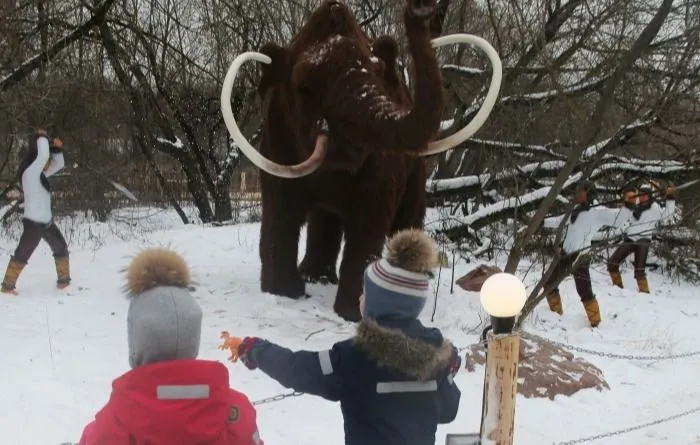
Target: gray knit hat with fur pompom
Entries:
(164, 320)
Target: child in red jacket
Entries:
(169, 397)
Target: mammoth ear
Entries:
(276, 71)
(303, 76)
(387, 50)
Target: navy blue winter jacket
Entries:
(392, 380)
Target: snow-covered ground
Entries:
(61, 349)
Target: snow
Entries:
(543, 96)
(6, 208)
(319, 53)
(469, 181)
(63, 348)
(595, 148)
(463, 69)
(446, 124)
(379, 105)
(550, 94)
(177, 143)
(234, 154)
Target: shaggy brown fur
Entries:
(392, 349)
(156, 267)
(324, 230)
(412, 250)
(367, 187)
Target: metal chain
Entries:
(630, 429)
(479, 343)
(278, 397)
(619, 356)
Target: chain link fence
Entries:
(619, 356)
(631, 428)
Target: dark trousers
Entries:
(32, 233)
(579, 266)
(640, 249)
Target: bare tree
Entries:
(590, 91)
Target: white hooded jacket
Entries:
(645, 226)
(37, 200)
(579, 234)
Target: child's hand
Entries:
(246, 351)
(230, 343)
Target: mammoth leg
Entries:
(364, 241)
(282, 218)
(324, 233)
(411, 211)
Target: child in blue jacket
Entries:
(394, 379)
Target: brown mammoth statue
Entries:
(343, 143)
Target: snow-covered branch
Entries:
(534, 174)
(621, 136)
(550, 95)
(232, 159)
(543, 97)
(177, 143)
(535, 170)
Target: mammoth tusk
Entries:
(472, 127)
(283, 171)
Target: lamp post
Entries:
(503, 296)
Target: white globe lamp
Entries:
(503, 296)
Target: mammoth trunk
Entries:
(361, 108)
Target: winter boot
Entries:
(643, 285)
(616, 279)
(62, 271)
(592, 312)
(554, 300)
(14, 269)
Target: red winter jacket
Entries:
(182, 402)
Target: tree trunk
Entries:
(197, 189)
(223, 210)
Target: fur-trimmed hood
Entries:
(411, 349)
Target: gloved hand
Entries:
(56, 146)
(246, 352)
(456, 362)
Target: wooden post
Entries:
(500, 389)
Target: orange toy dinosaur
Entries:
(231, 343)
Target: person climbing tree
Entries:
(43, 160)
(584, 222)
(645, 215)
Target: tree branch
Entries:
(595, 122)
(31, 64)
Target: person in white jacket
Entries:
(585, 221)
(645, 216)
(43, 160)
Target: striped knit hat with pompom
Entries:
(164, 320)
(396, 286)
